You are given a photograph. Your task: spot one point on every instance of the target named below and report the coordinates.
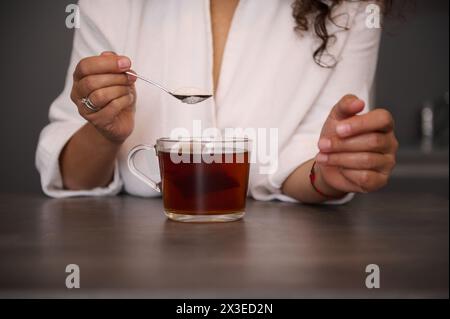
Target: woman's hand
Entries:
(102, 80)
(96, 144)
(357, 152)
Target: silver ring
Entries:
(89, 105)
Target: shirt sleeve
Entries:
(354, 73)
(64, 117)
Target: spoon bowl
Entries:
(190, 95)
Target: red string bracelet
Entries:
(312, 178)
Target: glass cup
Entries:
(202, 179)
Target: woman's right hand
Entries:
(103, 81)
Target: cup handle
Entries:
(147, 180)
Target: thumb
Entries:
(348, 106)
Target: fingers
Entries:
(382, 163)
(379, 120)
(370, 142)
(104, 53)
(348, 106)
(109, 112)
(357, 152)
(100, 98)
(366, 180)
(91, 83)
(106, 63)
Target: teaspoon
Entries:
(180, 94)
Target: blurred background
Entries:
(412, 82)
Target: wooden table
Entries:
(125, 247)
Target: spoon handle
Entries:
(148, 81)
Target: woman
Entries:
(271, 64)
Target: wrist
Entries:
(104, 140)
(108, 139)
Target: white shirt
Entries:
(268, 79)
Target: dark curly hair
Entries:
(315, 14)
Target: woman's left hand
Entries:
(357, 152)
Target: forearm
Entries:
(298, 186)
(87, 161)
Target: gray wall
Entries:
(413, 64)
(36, 47)
(34, 56)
